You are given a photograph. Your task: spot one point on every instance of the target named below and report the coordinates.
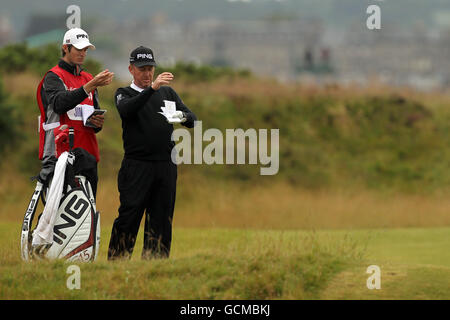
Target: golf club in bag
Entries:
(69, 226)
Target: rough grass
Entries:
(204, 264)
(232, 264)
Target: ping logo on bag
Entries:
(79, 206)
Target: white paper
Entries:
(87, 110)
(171, 107)
(171, 113)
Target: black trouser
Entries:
(150, 187)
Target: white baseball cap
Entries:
(78, 38)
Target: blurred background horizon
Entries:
(317, 42)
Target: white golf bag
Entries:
(74, 226)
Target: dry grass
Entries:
(271, 89)
(284, 207)
(21, 84)
(280, 206)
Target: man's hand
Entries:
(162, 80)
(97, 120)
(104, 78)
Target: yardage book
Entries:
(88, 113)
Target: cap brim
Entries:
(144, 63)
(84, 44)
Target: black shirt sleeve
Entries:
(190, 116)
(57, 95)
(62, 99)
(129, 105)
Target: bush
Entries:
(199, 73)
(9, 122)
(20, 58)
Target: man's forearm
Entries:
(88, 87)
(67, 100)
(62, 100)
(190, 117)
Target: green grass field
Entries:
(246, 264)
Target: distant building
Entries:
(263, 46)
(43, 23)
(5, 30)
(44, 38)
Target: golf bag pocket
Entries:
(76, 229)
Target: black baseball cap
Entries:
(142, 56)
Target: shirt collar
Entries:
(73, 69)
(135, 87)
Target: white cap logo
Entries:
(78, 38)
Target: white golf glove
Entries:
(173, 116)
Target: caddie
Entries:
(62, 95)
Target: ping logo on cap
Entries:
(144, 56)
(82, 36)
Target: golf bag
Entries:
(71, 229)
